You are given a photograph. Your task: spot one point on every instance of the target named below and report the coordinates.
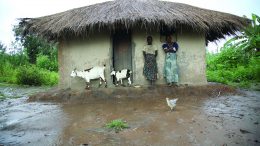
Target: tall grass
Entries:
(32, 75)
(7, 73)
(238, 63)
(9, 64)
(15, 69)
(33, 64)
(231, 67)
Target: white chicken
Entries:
(171, 102)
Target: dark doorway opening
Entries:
(122, 50)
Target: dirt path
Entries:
(226, 120)
(197, 120)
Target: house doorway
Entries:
(122, 50)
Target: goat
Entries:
(122, 74)
(91, 73)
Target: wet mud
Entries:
(212, 115)
(28, 123)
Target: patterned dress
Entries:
(150, 66)
(170, 67)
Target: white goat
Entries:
(91, 73)
(122, 74)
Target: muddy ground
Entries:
(206, 115)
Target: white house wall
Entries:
(96, 50)
(93, 51)
(190, 57)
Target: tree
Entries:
(238, 61)
(34, 45)
(2, 48)
(249, 40)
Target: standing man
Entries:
(170, 66)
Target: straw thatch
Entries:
(129, 13)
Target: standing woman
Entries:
(150, 66)
(170, 65)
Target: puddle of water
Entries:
(225, 120)
(236, 114)
(30, 123)
(23, 123)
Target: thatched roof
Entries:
(129, 13)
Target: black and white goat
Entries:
(122, 74)
(90, 74)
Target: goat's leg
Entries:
(122, 84)
(104, 79)
(105, 83)
(129, 81)
(117, 82)
(87, 86)
(100, 82)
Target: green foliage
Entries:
(44, 62)
(50, 78)
(7, 73)
(32, 75)
(249, 40)
(2, 48)
(223, 69)
(117, 125)
(15, 72)
(9, 63)
(16, 65)
(238, 63)
(34, 45)
(29, 75)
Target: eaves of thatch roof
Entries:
(129, 13)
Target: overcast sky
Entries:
(12, 9)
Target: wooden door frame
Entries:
(112, 39)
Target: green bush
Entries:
(254, 64)
(15, 67)
(216, 76)
(32, 75)
(44, 62)
(29, 75)
(242, 73)
(238, 63)
(237, 71)
(50, 78)
(7, 73)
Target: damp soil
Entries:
(209, 115)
